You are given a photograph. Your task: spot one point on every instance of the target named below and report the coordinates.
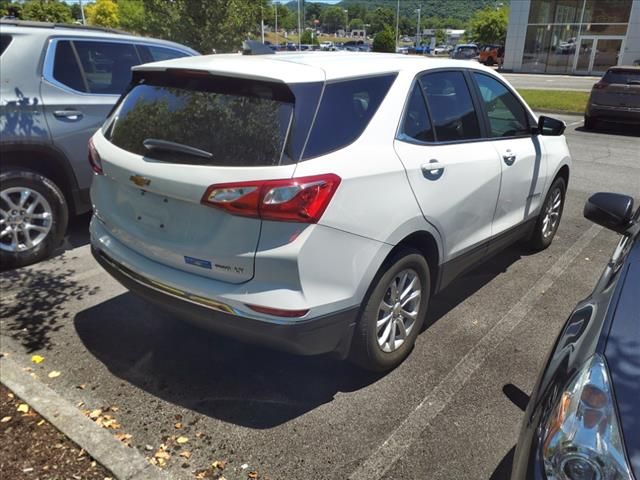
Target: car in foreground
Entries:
(583, 417)
(615, 98)
(315, 202)
(57, 85)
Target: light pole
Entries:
(299, 25)
(84, 22)
(418, 35)
(262, 23)
(397, 23)
(346, 21)
(276, 7)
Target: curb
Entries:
(124, 462)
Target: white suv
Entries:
(315, 202)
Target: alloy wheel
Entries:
(26, 218)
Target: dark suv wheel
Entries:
(33, 217)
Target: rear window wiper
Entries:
(167, 146)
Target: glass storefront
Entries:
(566, 36)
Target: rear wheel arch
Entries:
(564, 174)
(45, 161)
(426, 244)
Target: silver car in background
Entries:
(57, 85)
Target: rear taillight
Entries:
(301, 199)
(94, 158)
(600, 85)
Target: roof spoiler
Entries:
(252, 47)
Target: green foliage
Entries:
(11, 9)
(381, 18)
(356, 24)
(489, 25)
(103, 13)
(47, 11)
(384, 41)
(333, 18)
(556, 100)
(131, 15)
(287, 19)
(204, 24)
(308, 38)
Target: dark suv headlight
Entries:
(582, 439)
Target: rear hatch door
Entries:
(171, 137)
(618, 88)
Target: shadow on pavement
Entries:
(503, 470)
(613, 129)
(32, 305)
(222, 378)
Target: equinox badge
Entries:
(139, 180)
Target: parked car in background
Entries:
(468, 51)
(57, 85)
(262, 219)
(583, 417)
(615, 98)
(491, 55)
(327, 45)
(442, 49)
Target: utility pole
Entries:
(275, 4)
(299, 25)
(262, 23)
(418, 33)
(84, 22)
(397, 23)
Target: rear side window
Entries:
(5, 40)
(344, 112)
(65, 67)
(452, 111)
(416, 124)
(507, 117)
(622, 76)
(107, 65)
(152, 53)
(234, 122)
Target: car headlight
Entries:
(582, 438)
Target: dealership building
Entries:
(572, 36)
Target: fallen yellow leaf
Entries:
(178, 425)
(218, 464)
(40, 423)
(253, 474)
(37, 359)
(5, 419)
(23, 408)
(185, 454)
(162, 455)
(182, 440)
(54, 374)
(95, 413)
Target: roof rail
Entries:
(33, 24)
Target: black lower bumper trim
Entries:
(331, 333)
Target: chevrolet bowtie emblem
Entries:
(139, 180)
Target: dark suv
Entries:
(615, 98)
(57, 84)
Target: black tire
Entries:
(489, 62)
(540, 241)
(59, 216)
(589, 123)
(365, 350)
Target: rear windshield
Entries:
(5, 40)
(240, 122)
(622, 76)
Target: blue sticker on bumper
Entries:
(198, 262)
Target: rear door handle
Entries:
(70, 114)
(509, 158)
(432, 170)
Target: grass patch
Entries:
(556, 100)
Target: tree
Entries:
(381, 18)
(489, 25)
(356, 24)
(384, 41)
(312, 11)
(103, 13)
(333, 18)
(131, 15)
(308, 38)
(47, 11)
(205, 24)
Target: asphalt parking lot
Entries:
(452, 410)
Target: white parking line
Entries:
(418, 420)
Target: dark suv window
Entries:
(507, 116)
(152, 53)
(66, 69)
(623, 77)
(5, 40)
(450, 105)
(106, 65)
(234, 122)
(416, 124)
(345, 111)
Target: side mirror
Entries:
(550, 126)
(611, 210)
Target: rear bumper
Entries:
(614, 114)
(325, 334)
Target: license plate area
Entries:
(152, 211)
